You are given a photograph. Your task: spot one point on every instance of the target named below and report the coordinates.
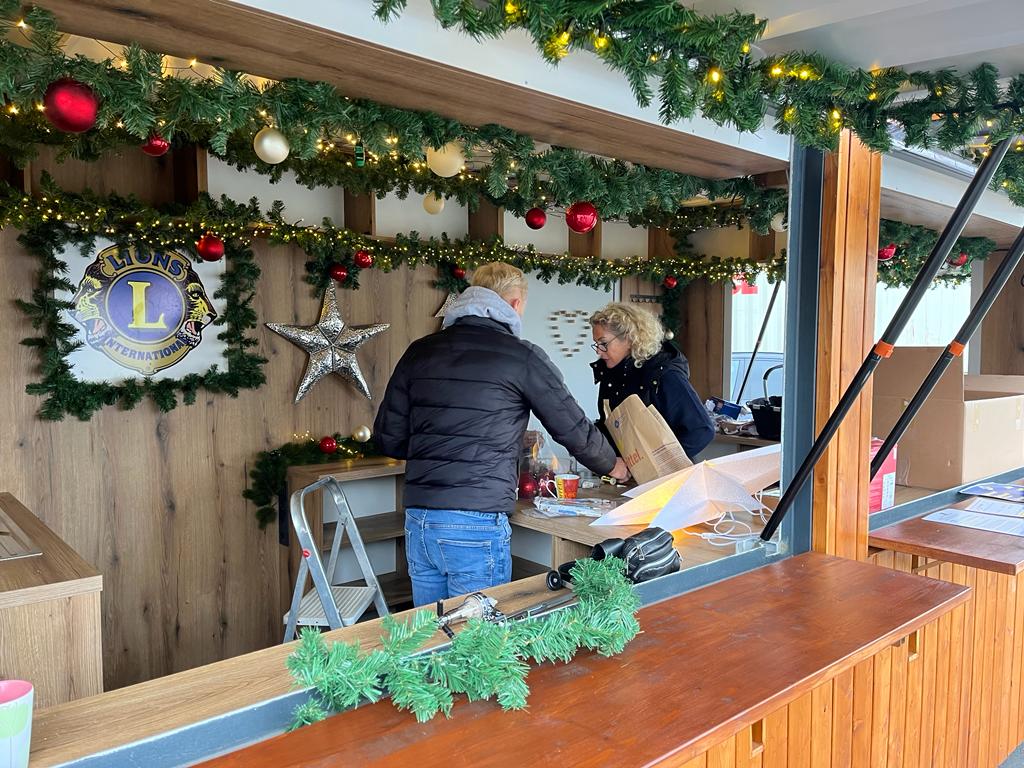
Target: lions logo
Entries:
(144, 310)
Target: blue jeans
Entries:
(454, 552)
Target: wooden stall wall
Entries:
(887, 711)
(154, 500)
(976, 684)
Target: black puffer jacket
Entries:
(456, 410)
(664, 382)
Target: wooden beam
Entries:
(586, 245)
(487, 221)
(703, 335)
(849, 247)
(1002, 332)
(360, 213)
(251, 40)
(927, 213)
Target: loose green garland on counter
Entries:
(484, 661)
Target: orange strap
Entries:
(884, 350)
(956, 348)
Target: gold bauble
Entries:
(446, 161)
(271, 146)
(362, 434)
(433, 204)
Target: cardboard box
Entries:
(969, 428)
(882, 490)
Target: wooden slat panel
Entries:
(968, 675)
(843, 722)
(722, 755)
(1001, 668)
(863, 712)
(880, 714)
(929, 700)
(821, 726)
(799, 739)
(587, 244)
(1017, 657)
(776, 739)
(947, 687)
(915, 662)
(897, 705)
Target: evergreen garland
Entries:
(223, 113)
(484, 661)
(269, 473)
(704, 65)
(46, 234)
(914, 244)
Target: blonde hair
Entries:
(501, 278)
(639, 327)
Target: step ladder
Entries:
(327, 605)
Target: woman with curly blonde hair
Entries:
(635, 359)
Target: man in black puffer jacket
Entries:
(456, 410)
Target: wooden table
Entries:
(743, 442)
(49, 615)
(575, 537)
(706, 664)
(87, 726)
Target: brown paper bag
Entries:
(645, 440)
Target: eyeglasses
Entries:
(602, 346)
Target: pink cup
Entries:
(15, 722)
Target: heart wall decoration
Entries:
(570, 330)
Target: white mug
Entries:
(16, 698)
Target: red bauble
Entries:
(338, 271)
(156, 145)
(363, 259)
(328, 444)
(536, 218)
(960, 260)
(210, 247)
(459, 273)
(670, 281)
(70, 106)
(581, 217)
(886, 253)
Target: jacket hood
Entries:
(476, 301)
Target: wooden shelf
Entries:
(523, 568)
(383, 527)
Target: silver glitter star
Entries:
(449, 300)
(331, 345)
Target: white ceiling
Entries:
(916, 34)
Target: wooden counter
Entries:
(84, 727)
(49, 615)
(705, 664)
(985, 648)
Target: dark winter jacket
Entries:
(664, 382)
(457, 407)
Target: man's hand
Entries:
(620, 472)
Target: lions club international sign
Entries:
(144, 310)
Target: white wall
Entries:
(308, 205)
(938, 317)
